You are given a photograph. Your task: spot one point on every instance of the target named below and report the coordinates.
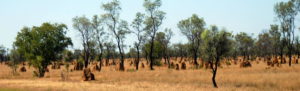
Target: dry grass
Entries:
(228, 78)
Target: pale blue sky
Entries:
(251, 16)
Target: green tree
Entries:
(153, 21)
(137, 24)
(245, 44)
(216, 45)
(2, 53)
(192, 29)
(109, 52)
(286, 13)
(41, 44)
(77, 54)
(264, 42)
(67, 56)
(15, 59)
(166, 45)
(84, 27)
(164, 39)
(157, 52)
(278, 43)
(99, 36)
(118, 27)
(181, 50)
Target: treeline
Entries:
(41, 45)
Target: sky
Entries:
(251, 16)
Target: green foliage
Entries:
(152, 23)
(286, 14)
(157, 62)
(245, 44)
(77, 54)
(264, 42)
(138, 26)
(41, 45)
(131, 70)
(132, 53)
(80, 60)
(3, 52)
(192, 28)
(67, 56)
(119, 28)
(15, 59)
(216, 44)
(157, 50)
(180, 50)
(84, 26)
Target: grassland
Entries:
(259, 77)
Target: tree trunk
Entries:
(41, 72)
(86, 60)
(122, 68)
(100, 64)
(122, 57)
(281, 57)
(290, 59)
(138, 59)
(165, 58)
(195, 59)
(151, 53)
(213, 79)
(107, 57)
(215, 69)
(169, 65)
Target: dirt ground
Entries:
(259, 77)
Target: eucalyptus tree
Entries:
(264, 42)
(84, 26)
(138, 26)
(297, 46)
(192, 28)
(153, 21)
(286, 13)
(99, 37)
(109, 52)
(15, 59)
(277, 43)
(245, 44)
(166, 45)
(2, 53)
(181, 50)
(42, 44)
(118, 27)
(216, 45)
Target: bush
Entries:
(228, 63)
(130, 70)
(157, 62)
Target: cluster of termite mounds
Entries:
(175, 63)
